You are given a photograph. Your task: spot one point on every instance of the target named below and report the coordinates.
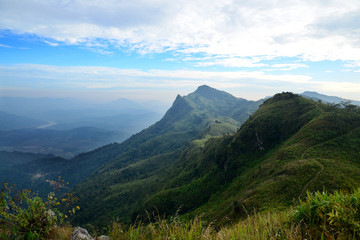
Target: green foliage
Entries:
(162, 228)
(34, 222)
(289, 146)
(336, 214)
(187, 164)
(320, 216)
(145, 164)
(24, 215)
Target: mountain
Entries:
(12, 122)
(66, 127)
(216, 156)
(127, 123)
(33, 107)
(327, 99)
(64, 114)
(67, 109)
(13, 158)
(13, 170)
(205, 113)
(65, 143)
(122, 104)
(288, 146)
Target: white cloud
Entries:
(247, 28)
(107, 77)
(289, 66)
(232, 62)
(246, 84)
(343, 87)
(5, 46)
(353, 66)
(53, 44)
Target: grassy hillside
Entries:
(122, 174)
(135, 168)
(290, 145)
(320, 216)
(214, 166)
(194, 163)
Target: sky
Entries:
(152, 50)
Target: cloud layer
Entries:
(246, 84)
(308, 29)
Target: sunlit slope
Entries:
(135, 167)
(289, 146)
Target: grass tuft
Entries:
(320, 216)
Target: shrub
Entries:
(334, 215)
(24, 215)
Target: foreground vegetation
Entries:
(320, 216)
(24, 215)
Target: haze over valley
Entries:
(66, 127)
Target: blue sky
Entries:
(152, 50)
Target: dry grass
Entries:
(61, 233)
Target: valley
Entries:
(67, 127)
(211, 155)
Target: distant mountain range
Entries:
(66, 127)
(327, 99)
(114, 121)
(65, 143)
(40, 107)
(71, 113)
(11, 122)
(205, 113)
(211, 154)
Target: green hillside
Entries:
(24, 170)
(206, 157)
(135, 167)
(290, 145)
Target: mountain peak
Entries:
(212, 93)
(310, 92)
(205, 88)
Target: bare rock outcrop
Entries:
(80, 234)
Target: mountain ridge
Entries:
(262, 166)
(213, 155)
(191, 117)
(327, 99)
